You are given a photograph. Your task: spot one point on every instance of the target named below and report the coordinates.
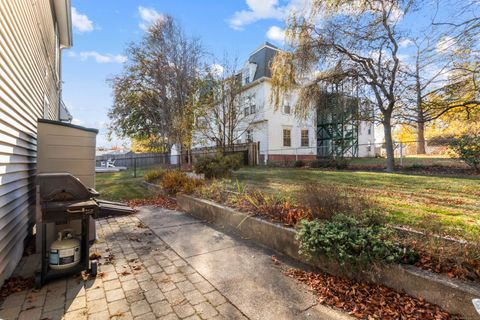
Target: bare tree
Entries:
(442, 74)
(153, 95)
(360, 39)
(224, 111)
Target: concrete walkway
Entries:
(240, 270)
(168, 265)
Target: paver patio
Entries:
(168, 265)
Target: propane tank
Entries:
(65, 251)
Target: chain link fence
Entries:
(407, 153)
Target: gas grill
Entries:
(63, 200)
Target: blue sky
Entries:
(102, 29)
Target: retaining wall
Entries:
(453, 295)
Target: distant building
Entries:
(33, 35)
(280, 134)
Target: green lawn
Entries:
(412, 161)
(453, 203)
(121, 186)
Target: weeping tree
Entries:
(354, 38)
(153, 96)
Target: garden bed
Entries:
(452, 295)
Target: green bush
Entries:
(467, 148)
(299, 164)
(234, 161)
(154, 175)
(348, 240)
(337, 163)
(176, 181)
(218, 166)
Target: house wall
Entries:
(366, 139)
(28, 81)
(279, 120)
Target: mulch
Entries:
(158, 201)
(466, 269)
(367, 301)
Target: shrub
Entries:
(299, 164)
(218, 166)
(272, 206)
(154, 175)
(337, 163)
(326, 200)
(467, 148)
(272, 164)
(234, 161)
(177, 181)
(349, 240)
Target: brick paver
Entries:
(140, 277)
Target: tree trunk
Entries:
(387, 128)
(420, 113)
(421, 138)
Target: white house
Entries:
(280, 134)
(32, 36)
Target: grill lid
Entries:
(63, 187)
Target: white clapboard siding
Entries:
(28, 78)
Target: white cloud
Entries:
(273, 9)
(405, 43)
(148, 16)
(77, 122)
(102, 58)
(276, 34)
(80, 22)
(217, 69)
(446, 45)
(266, 9)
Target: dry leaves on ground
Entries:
(467, 270)
(15, 284)
(367, 301)
(158, 201)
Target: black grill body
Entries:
(64, 198)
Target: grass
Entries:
(121, 186)
(437, 203)
(412, 161)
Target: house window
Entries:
(246, 111)
(369, 130)
(304, 138)
(249, 136)
(287, 137)
(286, 109)
(253, 108)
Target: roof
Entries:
(65, 124)
(63, 15)
(263, 57)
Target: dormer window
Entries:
(287, 109)
(247, 79)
